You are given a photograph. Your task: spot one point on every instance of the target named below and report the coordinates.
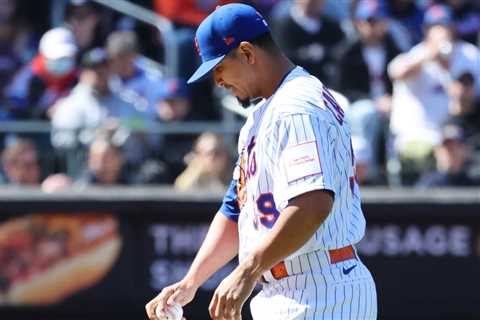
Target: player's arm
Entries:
(308, 188)
(408, 64)
(221, 243)
(403, 66)
(295, 226)
(219, 247)
(303, 185)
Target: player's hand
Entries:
(439, 43)
(181, 292)
(230, 296)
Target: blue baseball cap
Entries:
(222, 31)
(438, 14)
(370, 9)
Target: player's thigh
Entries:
(350, 293)
(349, 300)
(316, 296)
(280, 306)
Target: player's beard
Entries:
(245, 103)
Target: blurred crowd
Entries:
(408, 74)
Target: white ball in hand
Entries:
(173, 312)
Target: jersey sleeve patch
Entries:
(301, 161)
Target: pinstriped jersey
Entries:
(295, 142)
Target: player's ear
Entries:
(247, 51)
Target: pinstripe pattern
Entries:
(302, 115)
(323, 292)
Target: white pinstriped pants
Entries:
(317, 289)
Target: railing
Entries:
(190, 127)
(164, 26)
(372, 196)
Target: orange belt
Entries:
(279, 270)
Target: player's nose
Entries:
(218, 78)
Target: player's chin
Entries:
(244, 102)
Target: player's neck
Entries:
(275, 71)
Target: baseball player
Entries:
(292, 213)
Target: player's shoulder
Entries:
(300, 93)
(299, 80)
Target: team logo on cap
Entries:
(229, 40)
(197, 47)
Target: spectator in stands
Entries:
(21, 167)
(186, 16)
(131, 79)
(20, 163)
(48, 77)
(16, 46)
(264, 6)
(56, 182)
(309, 38)
(466, 19)
(338, 10)
(83, 17)
(172, 100)
(105, 164)
(362, 151)
(173, 104)
(187, 13)
(452, 157)
(91, 101)
(17, 30)
(421, 81)
(465, 104)
(209, 165)
(406, 18)
(91, 105)
(365, 81)
(368, 57)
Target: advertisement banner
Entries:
(72, 262)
